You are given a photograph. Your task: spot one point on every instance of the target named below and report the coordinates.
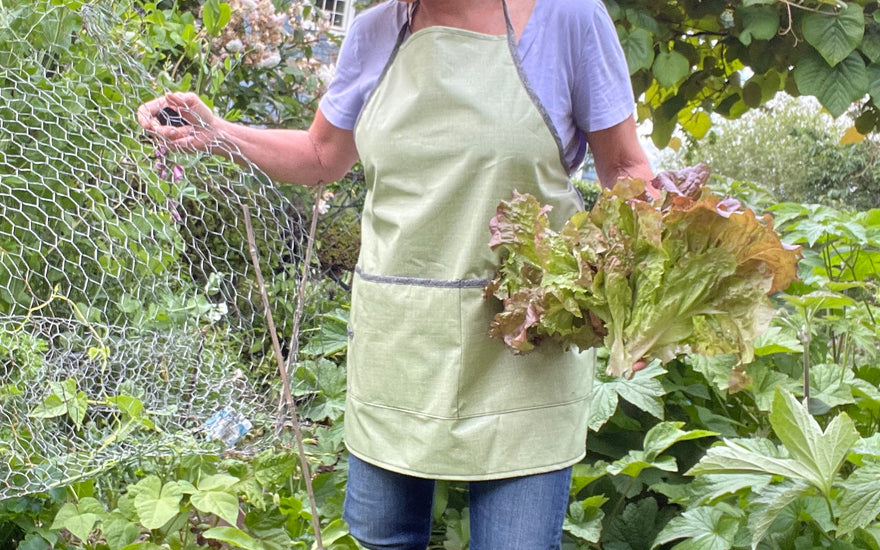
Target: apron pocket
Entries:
(405, 347)
(494, 380)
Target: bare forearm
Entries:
(635, 168)
(286, 156)
(618, 154)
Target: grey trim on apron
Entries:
(420, 281)
(401, 36)
(514, 53)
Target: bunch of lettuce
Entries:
(689, 272)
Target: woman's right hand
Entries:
(192, 127)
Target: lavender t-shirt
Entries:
(569, 51)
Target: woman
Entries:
(451, 105)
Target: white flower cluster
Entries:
(263, 36)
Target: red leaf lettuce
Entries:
(689, 272)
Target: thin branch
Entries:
(293, 347)
(285, 379)
(790, 4)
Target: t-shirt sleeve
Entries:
(342, 101)
(362, 57)
(602, 93)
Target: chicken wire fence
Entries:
(131, 321)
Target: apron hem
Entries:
(467, 477)
(412, 412)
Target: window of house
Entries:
(340, 12)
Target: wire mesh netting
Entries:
(130, 315)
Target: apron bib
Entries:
(451, 129)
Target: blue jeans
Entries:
(390, 511)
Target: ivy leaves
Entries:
(690, 59)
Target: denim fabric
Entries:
(390, 511)
(386, 510)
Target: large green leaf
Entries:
(51, 407)
(636, 461)
(758, 23)
(335, 536)
(118, 531)
(716, 368)
(835, 36)
(860, 504)
(820, 299)
(658, 439)
(835, 87)
(273, 468)
(709, 488)
(666, 434)
(821, 453)
(706, 527)
(770, 502)
(217, 482)
(775, 340)
(234, 536)
(696, 123)
(63, 399)
(79, 518)
(670, 67)
(584, 474)
(766, 380)
(156, 504)
(870, 45)
(733, 457)
(832, 384)
(222, 504)
(584, 519)
(332, 335)
(638, 47)
(644, 391)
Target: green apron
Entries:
(451, 129)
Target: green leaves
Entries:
(670, 67)
(819, 453)
(213, 497)
(638, 47)
(156, 503)
(810, 459)
(658, 439)
(758, 23)
(708, 528)
(584, 519)
(233, 536)
(64, 399)
(815, 455)
(724, 44)
(836, 87)
(643, 390)
(215, 16)
(79, 519)
(835, 36)
(860, 504)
